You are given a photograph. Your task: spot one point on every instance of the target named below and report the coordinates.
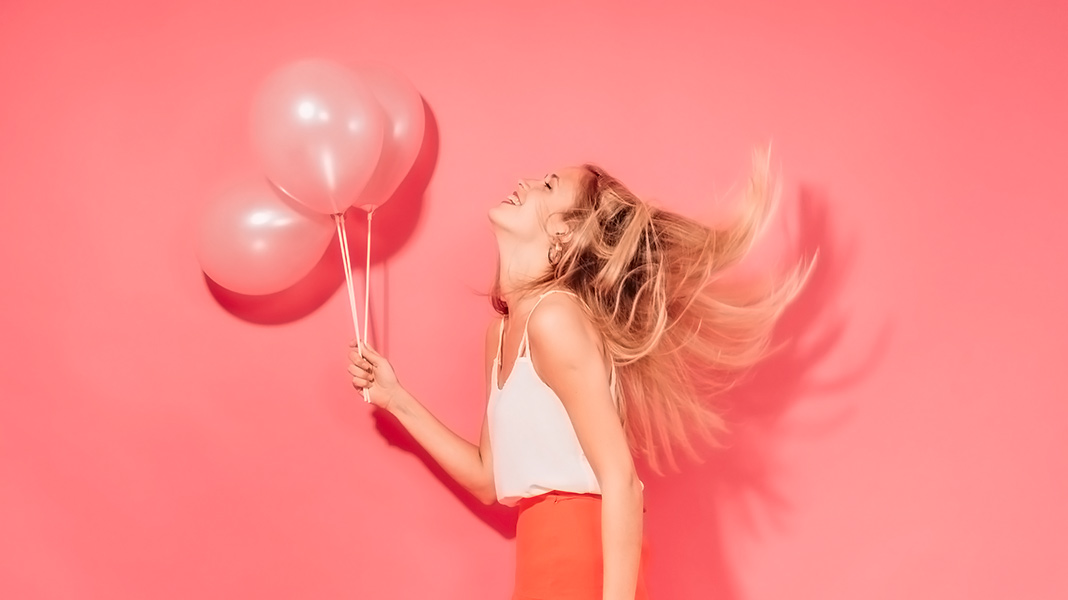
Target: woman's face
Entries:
(531, 213)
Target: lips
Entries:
(514, 199)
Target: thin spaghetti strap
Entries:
(523, 343)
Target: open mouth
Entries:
(513, 198)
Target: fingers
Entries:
(356, 359)
(362, 368)
(361, 378)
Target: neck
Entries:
(520, 265)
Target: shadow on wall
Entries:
(500, 518)
(687, 510)
(393, 224)
(694, 515)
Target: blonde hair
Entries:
(652, 283)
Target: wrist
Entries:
(398, 402)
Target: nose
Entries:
(525, 184)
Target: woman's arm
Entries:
(566, 352)
(470, 465)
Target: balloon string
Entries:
(367, 277)
(339, 219)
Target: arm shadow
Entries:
(501, 518)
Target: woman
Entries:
(615, 329)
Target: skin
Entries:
(567, 354)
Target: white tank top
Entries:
(535, 449)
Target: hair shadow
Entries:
(740, 481)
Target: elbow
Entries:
(484, 490)
(487, 496)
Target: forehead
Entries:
(570, 177)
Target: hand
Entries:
(373, 375)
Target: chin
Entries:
(498, 216)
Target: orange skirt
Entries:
(558, 549)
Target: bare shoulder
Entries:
(561, 322)
(566, 352)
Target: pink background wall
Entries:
(162, 438)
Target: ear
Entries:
(559, 230)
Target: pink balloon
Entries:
(405, 121)
(254, 240)
(318, 130)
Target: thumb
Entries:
(370, 353)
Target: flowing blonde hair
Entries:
(652, 283)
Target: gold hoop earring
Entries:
(554, 254)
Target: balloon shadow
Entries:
(394, 223)
(695, 513)
(395, 220)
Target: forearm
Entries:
(458, 457)
(621, 537)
